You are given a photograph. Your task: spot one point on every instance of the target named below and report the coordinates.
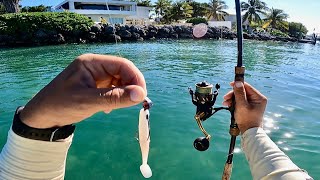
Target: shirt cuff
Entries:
(23, 158)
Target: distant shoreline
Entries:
(108, 34)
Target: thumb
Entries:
(119, 97)
(239, 93)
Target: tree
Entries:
(2, 9)
(11, 6)
(215, 10)
(146, 3)
(277, 20)
(253, 10)
(161, 7)
(180, 10)
(199, 9)
(40, 8)
(297, 30)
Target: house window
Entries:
(116, 20)
(78, 5)
(65, 6)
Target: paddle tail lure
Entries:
(204, 99)
(144, 137)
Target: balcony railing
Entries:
(84, 11)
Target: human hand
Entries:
(91, 83)
(250, 105)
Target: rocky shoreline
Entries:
(108, 33)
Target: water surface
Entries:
(105, 147)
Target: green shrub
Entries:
(297, 30)
(28, 23)
(195, 21)
(278, 33)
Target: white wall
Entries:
(220, 23)
(142, 13)
(96, 17)
(142, 16)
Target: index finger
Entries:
(102, 67)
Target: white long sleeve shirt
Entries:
(266, 160)
(26, 159)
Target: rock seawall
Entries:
(109, 33)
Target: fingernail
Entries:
(135, 95)
(224, 103)
(107, 111)
(238, 84)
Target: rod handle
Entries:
(239, 73)
(227, 171)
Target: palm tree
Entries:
(277, 20)
(199, 9)
(215, 10)
(146, 3)
(181, 10)
(11, 6)
(40, 8)
(2, 9)
(162, 6)
(254, 9)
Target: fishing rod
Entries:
(204, 99)
(239, 76)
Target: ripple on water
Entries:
(286, 73)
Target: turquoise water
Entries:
(105, 147)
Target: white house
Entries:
(141, 17)
(113, 11)
(229, 20)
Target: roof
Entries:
(91, 2)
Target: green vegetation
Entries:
(162, 8)
(146, 3)
(257, 16)
(215, 10)
(277, 20)
(40, 8)
(271, 20)
(2, 9)
(199, 9)
(169, 12)
(253, 10)
(297, 30)
(195, 21)
(276, 32)
(177, 11)
(18, 24)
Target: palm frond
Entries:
(245, 16)
(266, 24)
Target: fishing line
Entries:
(143, 134)
(113, 29)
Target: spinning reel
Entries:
(204, 99)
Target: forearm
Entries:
(27, 159)
(266, 160)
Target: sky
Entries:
(304, 11)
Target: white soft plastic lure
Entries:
(144, 137)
